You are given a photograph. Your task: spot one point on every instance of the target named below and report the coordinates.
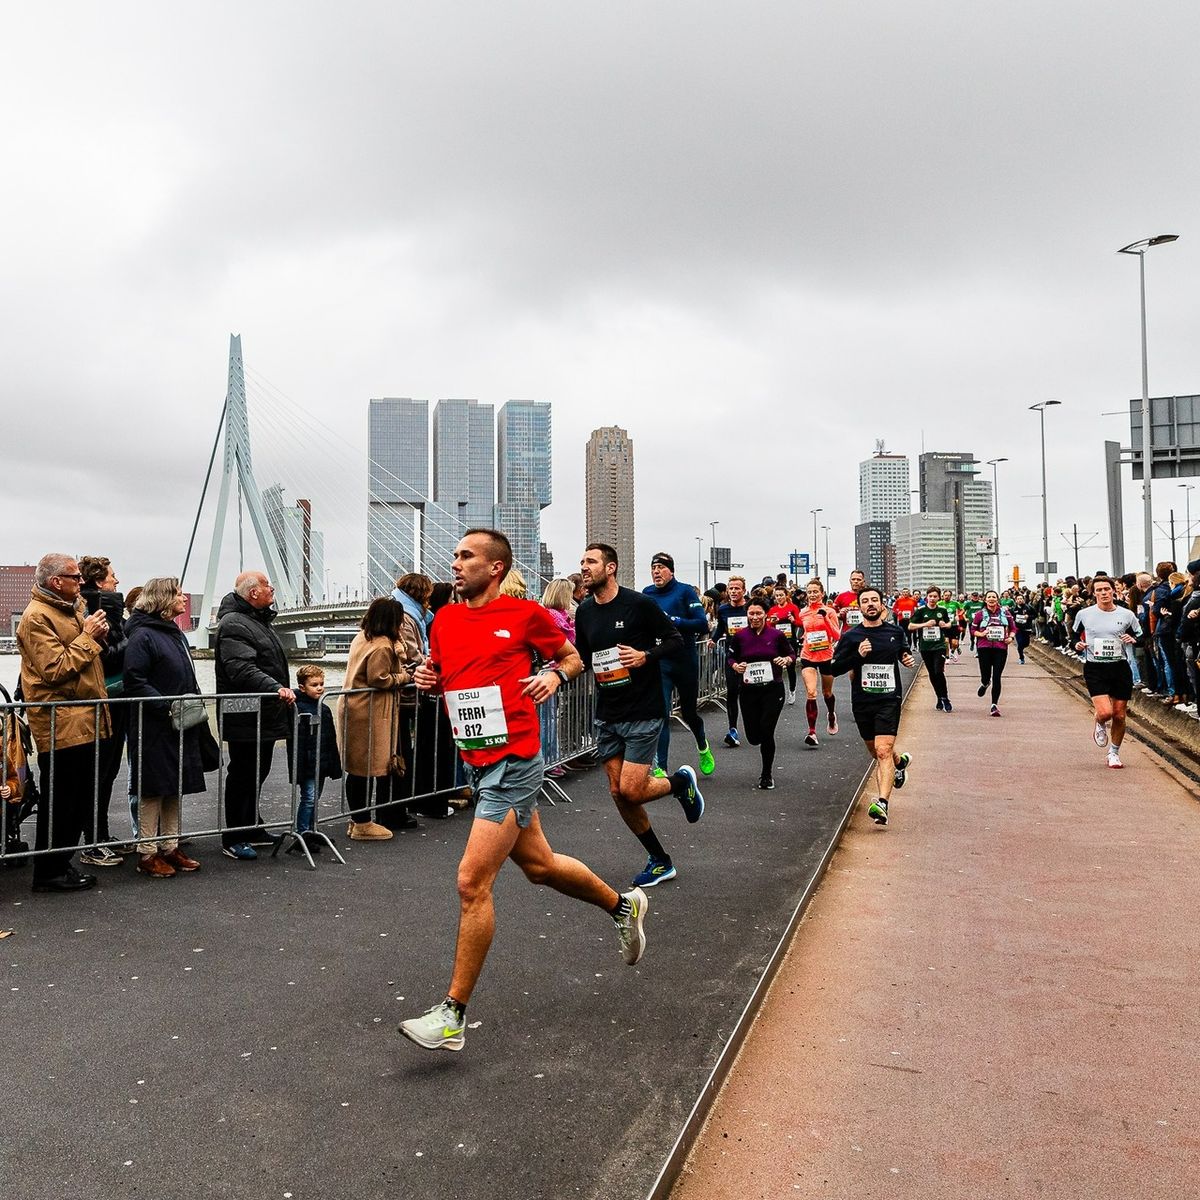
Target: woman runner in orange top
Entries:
(818, 632)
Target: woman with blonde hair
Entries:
(514, 585)
(556, 600)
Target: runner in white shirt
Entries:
(1107, 631)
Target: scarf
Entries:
(54, 599)
(414, 610)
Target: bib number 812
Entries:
(472, 730)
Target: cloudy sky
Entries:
(759, 236)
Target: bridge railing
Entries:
(69, 797)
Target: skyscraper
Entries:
(464, 478)
(609, 502)
(295, 539)
(949, 484)
(397, 489)
(883, 486)
(523, 468)
(883, 494)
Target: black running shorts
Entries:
(826, 668)
(880, 718)
(1114, 680)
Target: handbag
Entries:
(187, 712)
(210, 751)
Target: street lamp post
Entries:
(815, 564)
(826, 529)
(993, 463)
(712, 542)
(1040, 409)
(1140, 248)
(699, 556)
(1189, 488)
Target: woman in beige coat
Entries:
(368, 721)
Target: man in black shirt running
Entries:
(871, 652)
(622, 635)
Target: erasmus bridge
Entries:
(308, 457)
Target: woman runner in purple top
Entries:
(759, 653)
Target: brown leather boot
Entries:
(155, 866)
(180, 861)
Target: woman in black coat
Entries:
(158, 663)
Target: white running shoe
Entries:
(1114, 759)
(1100, 735)
(792, 696)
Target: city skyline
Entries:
(917, 252)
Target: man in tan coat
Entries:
(60, 660)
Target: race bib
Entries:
(1021, 618)
(1107, 649)
(606, 666)
(853, 616)
(758, 672)
(931, 633)
(785, 627)
(733, 624)
(878, 677)
(995, 633)
(477, 718)
(817, 639)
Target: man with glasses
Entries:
(249, 657)
(60, 648)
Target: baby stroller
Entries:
(16, 750)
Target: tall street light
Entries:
(826, 529)
(1140, 248)
(1040, 409)
(814, 512)
(1190, 488)
(712, 542)
(993, 463)
(699, 557)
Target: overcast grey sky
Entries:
(759, 236)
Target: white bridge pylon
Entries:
(238, 464)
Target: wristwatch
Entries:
(563, 677)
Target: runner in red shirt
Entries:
(819, 633)
(785, 617)
(847, 602)
(903, 608)
(480, 658)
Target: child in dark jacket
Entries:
(314, 736)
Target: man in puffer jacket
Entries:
(249, 658)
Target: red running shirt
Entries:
(784, 614)
(494, 646)
(904, 607)
(819, 633)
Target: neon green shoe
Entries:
(708, 764)
(878, 812)
(658, 773)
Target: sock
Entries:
(458, 1009)
(830, 703)
(810, 711)
(652, 845)
(621, 909)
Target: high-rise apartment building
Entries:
(16, 586)
(949, 484)
(523, 434)
(871, 540)
(883, 491)
(925, 550)
(609, 503)
(464, 479)
(397, 489)
(301, 548)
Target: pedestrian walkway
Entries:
(995, 995)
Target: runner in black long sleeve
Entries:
(871, 652)
(622, 635)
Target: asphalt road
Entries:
(233, 1032)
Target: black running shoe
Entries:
(905, 760)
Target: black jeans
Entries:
(242, 785)
(111, 750)
(363, 795)
(991, 667)
(64, 812)
(935, 666)
(761, 706)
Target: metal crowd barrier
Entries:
(422, 737)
